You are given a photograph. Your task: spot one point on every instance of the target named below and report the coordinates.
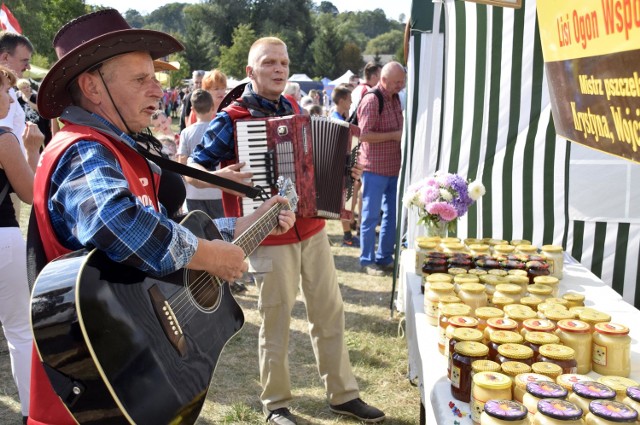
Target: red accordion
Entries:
(316, 153)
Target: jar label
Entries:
(455, 376)
(599, 356)
(551, 263)
(477, 407)
(430, 309)
(442, 337)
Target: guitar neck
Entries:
(258, 231)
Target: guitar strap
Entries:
(36, 257)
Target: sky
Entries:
(392, 8)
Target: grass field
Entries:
(378, 356)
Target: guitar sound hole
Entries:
(204, 289)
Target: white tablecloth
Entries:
(428, 366)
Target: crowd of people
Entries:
(92, 188)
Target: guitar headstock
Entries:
(287, 189)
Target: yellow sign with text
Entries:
(592, 59)
(571, 29)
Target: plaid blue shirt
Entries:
(90, 205)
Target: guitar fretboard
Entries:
(258, 231)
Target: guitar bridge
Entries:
(168, 320)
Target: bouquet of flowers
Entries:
(442, 198)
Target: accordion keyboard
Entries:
(251, 139)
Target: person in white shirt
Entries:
(371, 78)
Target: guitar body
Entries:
(123, 347)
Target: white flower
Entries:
(445, 195)
(409, 199)
(476, 190)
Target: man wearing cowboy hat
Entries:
(93, 189)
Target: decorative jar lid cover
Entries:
(518, 279)
(426, 244)
(439, 277)
(517, 272)
(498, 272)
(551, 248)
(477, 272)
(488, 312)
(523, 379)
(521, 314)
(479, 247)
(506, 337)
(467, 334)
(593, 390)
(539, 325)
(613, 411)
(634, 393)
(574, 326)
(556, 300)
(546, 280)
(492, 380)
(547, 368)
(542, 389)
(464, 278)
(485, 366)
(573, 296)
(531, 301)
(558, 314)
(568, 379)
(515, 351)
(506, 410)
(458, 271)
(611, 329)
(471, 349)
(512, 368)
(455, 309)
(590, 315)
(463, 321)
(559, 409)
(449, 299)
(502, 301)
(540, 289)
(439, 286)
(617, 383)
(503, 323)
(509, 288)
(517, 242)
(474, 288)
(557, 352)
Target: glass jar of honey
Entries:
(563, 356)
(499, 324)
(465, 353)
(461, 334)
(608, 412)
(556, 314)
(593, 316)
(473, 295)
(499, 337)
(446, 300)
(549, 281)
(515, 352)
(568, 379)
(585, 392)
(550, 370)
(557, 412)
(534, 340)
(526, 249)
(456, 322)
(478, 249)
(488, 386)
(490, 281)
(555, 258)
(536, 268)
(432, 298)
(611, 349)
(633, 398)
(537, 325)
(423, 247)
(509, 290)
(446, 313)
(434, 265)
(539, 390)
(513, 369)
(577, 335)
(540, 291)
(523, 281)
(501, 302)
(504, 412)
(574, 299)
(520, 314)
(531, 302)
(619, 384)
(453, 248)
(485, 313)
(483, 366)
(427, 280)
(521, 382)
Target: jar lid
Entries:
(573, 296)
(541, 338)
(543, 389)
(613, 411)
(515, 351)
(539, 289)
(512, 368)
(463, 321)
(474, 288)
(450, 239)
(532, 301)
(491, 279)
(503, 323)
(568, 379)
(574, 326)
(440, 286)
(426, 244)
(576, 310)
(516, 242)
(518, 279)
(498, 272)
(593, 390)
(634, 393)
(520, 314)
(523, 379)
(591, 316)
(429, 238)
(439, 277)
(477, 272)
(611, 329)
(551, 248)
(557, 352)
(506, 410)
(456, 271)
(455, 309)
(471, 349)
(453, 245)
(485, 366)
(504, 248)
(491, 380)
(559, 409)
(467, 278)
(488, 312)
(517, 272)
(617, 383)
(479, 247)
(538, 325)
(546, 280)
(471, 241)
(502, 301)
(467, 334)
(509, 288)
(449, 299)
(556, 300)
(506, 337)
(549, 306)
(547, 369)
(558, 314)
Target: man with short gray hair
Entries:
(196, 78)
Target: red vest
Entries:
(46, 408)
(304, 227)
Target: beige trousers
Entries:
(308, 265)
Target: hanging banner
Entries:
(8, 22)
(592, 60)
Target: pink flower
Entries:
(429, 194)
(446, 211)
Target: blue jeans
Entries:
(378, 193)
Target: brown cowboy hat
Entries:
(89, 40)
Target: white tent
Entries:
(343, 79)
(300, 77)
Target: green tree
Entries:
(134, 18)
(349, 58)
(197, 47)
(233, 59)
(168, 18)
(325, 47)
(327, 7)
(220, 18)
(387, 43)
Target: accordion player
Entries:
(316, 153)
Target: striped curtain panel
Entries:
(478, 105)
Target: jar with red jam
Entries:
(462, 261)
(465, 353)
(563, 356)
(537, 268)
(434, 265)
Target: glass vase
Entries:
(438, 228)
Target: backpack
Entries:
(353, 118)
